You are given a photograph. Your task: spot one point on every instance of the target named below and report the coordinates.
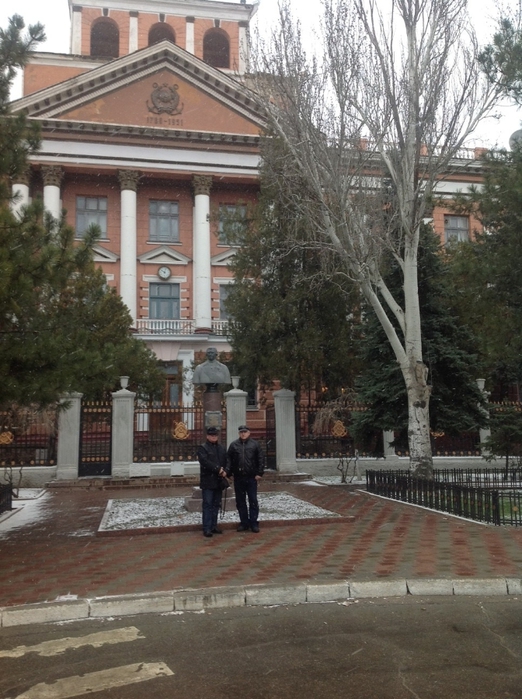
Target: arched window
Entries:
(216, 48)
(161, 31)
(105, 38)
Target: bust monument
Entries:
(211, 371)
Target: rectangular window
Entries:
(164, 301)
(91, 210)
(223, 295)
(232, 222)
(456, 228)
(163, 221)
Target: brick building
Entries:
(149, 131)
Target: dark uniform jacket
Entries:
(212, 458)
(245, 459)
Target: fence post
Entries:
(122, 432)
(68, 456)
(387, 437)
(485, 433)
(284, 403)
(236, 402)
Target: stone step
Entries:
(109, 483)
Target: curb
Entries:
(247, 596)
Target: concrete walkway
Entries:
(55, 566)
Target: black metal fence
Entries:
(320, 437)
(165, 433)
(6, 498)
(480, 503)
(28, 438)
(465, 444)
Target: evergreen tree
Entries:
(448, 347)
(61, 328)
(289, 322)
(486, 272)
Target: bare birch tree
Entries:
(368, 119)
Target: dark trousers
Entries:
(211, 504)
(246, 488)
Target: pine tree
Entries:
(486, 272)
(289, 322)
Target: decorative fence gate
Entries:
(167, 433)
(95, 438)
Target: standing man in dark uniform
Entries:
(212, 459)
(246, 462)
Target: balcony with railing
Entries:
(150, 326)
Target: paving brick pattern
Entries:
(60, 554)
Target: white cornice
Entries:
(202, 9)
(149, 158)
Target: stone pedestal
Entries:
(193, 503)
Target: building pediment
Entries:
(164, 255)
(223, 258)
(101, 254)
(161, 86)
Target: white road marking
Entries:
(60, 645)
(97, 681)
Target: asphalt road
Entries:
(425, 648)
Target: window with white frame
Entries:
(91, 210)
(163, 221)
(456, 228)
(232, 222)
(224, 290)
(164, 301)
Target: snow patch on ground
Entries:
(22, 514)
(171, 512)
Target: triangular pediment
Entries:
(101, 254)
(161, 86)
(224, 257)
(164, 255)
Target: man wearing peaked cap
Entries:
(212, 459)
(246, 462)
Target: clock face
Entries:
(164, 272)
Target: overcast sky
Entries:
(55, 16)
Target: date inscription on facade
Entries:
(164, 121)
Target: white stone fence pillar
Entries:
(284, 403)
(122, 432)
(236, 402)
(68, 457)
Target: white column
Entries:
(243, 48)
(202, 266)
(52, 177)
(189, 35)
(20, 191)
(76, 31)
(128, 248)
(133, 32)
